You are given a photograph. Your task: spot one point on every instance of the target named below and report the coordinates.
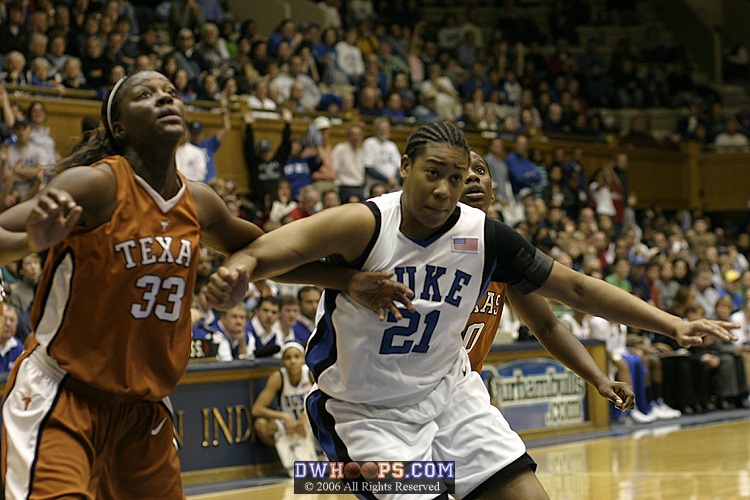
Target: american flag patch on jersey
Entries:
(470, 245)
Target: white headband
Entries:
(291, 344)
(111, 99)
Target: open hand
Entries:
(52, 219)
(691, 333)
(377, 291)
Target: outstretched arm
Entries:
(345, 231)
(601, 299)
(231, 235)
(372, 289)
(566, 348)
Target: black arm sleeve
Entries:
(282, 154)
(510, 259)
(251, 158)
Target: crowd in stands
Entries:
(383, 62)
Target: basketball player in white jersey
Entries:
(403, 389)
(287, 428)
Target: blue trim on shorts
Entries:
(324, 428)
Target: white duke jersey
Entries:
(292, 397)
(357, 358)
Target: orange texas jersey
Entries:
(113, 305)
(483, 324)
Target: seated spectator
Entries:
(72, 76)
(638, 135)
(13, 69)
(554, 122)
(330, 199)
(349, 59)
(94, 65)
(394, 107)
(235, 341)
(182, 85)
(286, 427)
(309, 298)
(324, 54)
(619, 275)
(288, 320)
(260, 100)
(40, 74)
(731, 289)
(11, 346)
(281, 204)
(208, 89)
(212, 49)
(666, 285)
(309, 200)
(731, 140)
(310, 94)
(30, 272)
(57, 52)
(427, 110)
(114, 74)
(369, 102)
(14, 34)
(705, 294)
(720, 384)
(205, 339)
(265, 337)
(188, 58)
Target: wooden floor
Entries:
(664, 463)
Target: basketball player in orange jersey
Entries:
(559, 341)
(85, 414)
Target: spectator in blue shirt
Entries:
(210, 144)
(521, 169)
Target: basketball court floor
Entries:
(665, 461)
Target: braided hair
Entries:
(437, 133)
